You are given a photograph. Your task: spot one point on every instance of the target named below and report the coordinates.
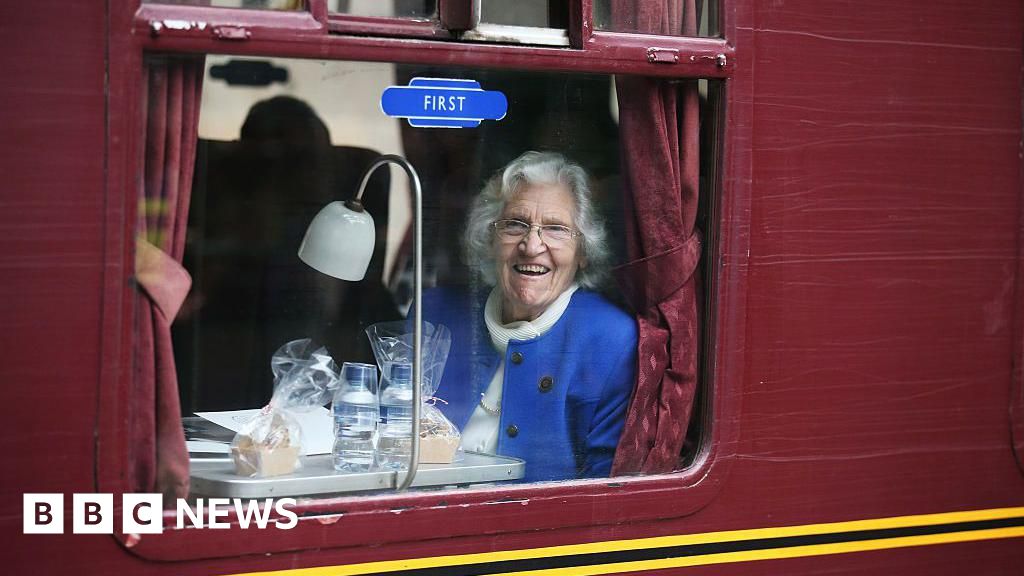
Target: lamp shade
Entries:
(339, 241)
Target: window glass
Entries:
(535, 13)
(418, 9)
(257, 4)
(278, 145)
(657, 18)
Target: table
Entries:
(215, 476)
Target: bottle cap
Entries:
(401, 373)
(359, 374)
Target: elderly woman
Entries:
(541, 368)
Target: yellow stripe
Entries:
(773, 554)
(704, 538)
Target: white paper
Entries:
(316, 426)
(207, 447)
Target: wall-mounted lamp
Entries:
(339, 242)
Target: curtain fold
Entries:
(159, 458)
(660, 139)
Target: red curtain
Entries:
(659, 130)
(159, 459)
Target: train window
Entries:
(272, 156)
(418, 9)
(251, 4)
(537, 13)
(524, 220)
(528, 22)
(623, 17)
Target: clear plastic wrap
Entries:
(392, 343)
(270, 444)
(439, 438)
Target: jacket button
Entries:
(546, 384)
(512, 430)
(517, 358)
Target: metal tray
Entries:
(215, 476)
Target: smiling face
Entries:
(531, 274)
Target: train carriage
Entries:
(815, 223)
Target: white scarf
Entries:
(523, 329)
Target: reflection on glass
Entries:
(534, 13)
(662, 18)
(255, 4)
(418, 9)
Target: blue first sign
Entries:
(443, 103)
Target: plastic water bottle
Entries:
(355, 418)
(395, 444)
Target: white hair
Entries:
(529, 169)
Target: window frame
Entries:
(139, 29)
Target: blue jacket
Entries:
(564, 401)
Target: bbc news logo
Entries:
(143, 513)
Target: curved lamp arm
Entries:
(417, 333)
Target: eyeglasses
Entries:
(510, 230)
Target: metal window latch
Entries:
(671, 56)
(663, 56)
(718, 59)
